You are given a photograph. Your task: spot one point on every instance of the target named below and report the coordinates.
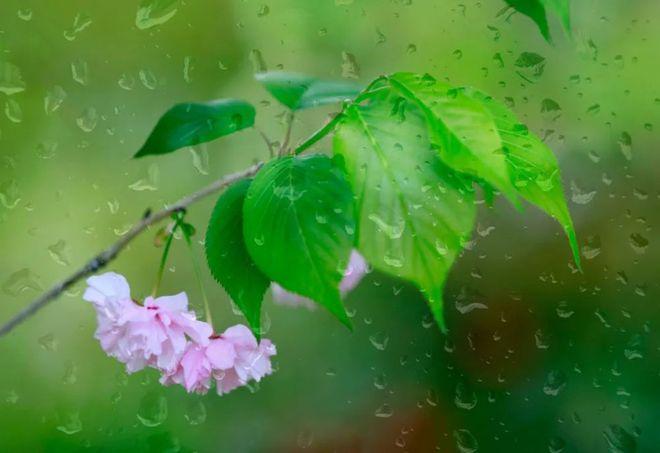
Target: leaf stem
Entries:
(287, 134)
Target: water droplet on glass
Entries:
(88, 119)
(554, 383)
(11, 81)
(13, 111)
(80, 71)
(151, 13)
(619, 440)
(379, 341)
(69, 423)
(153, 409)
(349, 66)
(196, 413)
(80, 22)
(21, 281)
(59, 252)
(54, 99)
(465, 441)
(384, 411)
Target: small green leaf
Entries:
(533, 167)
(414, 213)
(297, 91)
(460, 127)
(193, 123)
(299, 227)
(228, 258)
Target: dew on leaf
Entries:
(151, 13)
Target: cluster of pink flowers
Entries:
(163, 334)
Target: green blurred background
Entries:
(538, 357)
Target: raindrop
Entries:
(11, 81)
(58, 252)
(153, 410)
(54, 99)
(554, 383)
(151, 13)
(625, 145)
(556, 445)
(80, 71)
(639, 243)
(48, 342)
(21, 281)
(465, 397)
(465, 441)
(88, 119)
(13, 111)
(619, 440)
(196, 413)
(384, 411)
(70, 423)
(379, 340)
(148, 79)
(349, 66)
(80, 22)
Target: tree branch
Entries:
(109, 254)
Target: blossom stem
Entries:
(163, 259)
(198, 273)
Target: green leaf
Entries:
(299, 227)
(533, 167)
(460, 127)
(193, 123)
(297, 91)
(414, 213)
(537, 11)
(228, 258)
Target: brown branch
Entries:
(109, 254)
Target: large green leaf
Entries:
(299, 227)
(297, 91)
(228, 258)
(460, 127)
(537, 11)
(413, 211)
(533, 167)
(193, 123)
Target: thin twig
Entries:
(109, 254)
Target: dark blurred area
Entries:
(538, 357)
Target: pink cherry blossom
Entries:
(232, 359)
(355, 272)
(252, 360)
(153, 334)
(199, 362)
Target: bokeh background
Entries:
(538, 358)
